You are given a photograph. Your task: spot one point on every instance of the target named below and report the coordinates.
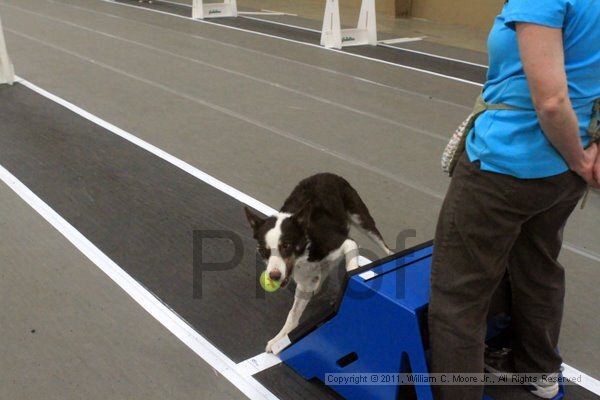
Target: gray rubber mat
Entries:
(141, 211)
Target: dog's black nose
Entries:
(275, 275)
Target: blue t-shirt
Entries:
(512, 142)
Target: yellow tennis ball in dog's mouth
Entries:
(268, 284)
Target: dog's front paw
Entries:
(352, 264)
(269, 348)
(271, 345)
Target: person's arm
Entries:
(597, 170)
(542, 53)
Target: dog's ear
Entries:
(302, 217)
(254, 219)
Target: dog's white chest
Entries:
(309, 275)
(305, 271)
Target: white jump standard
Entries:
(7, 72)
(201, 10)
(333, 36)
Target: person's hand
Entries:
(588, 167)
(597, 169)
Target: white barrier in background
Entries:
(7, 72)
(201, 10)
(332, 34)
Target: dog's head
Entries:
(281, 241)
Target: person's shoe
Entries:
(545, 388)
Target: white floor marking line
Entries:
(585, 253)
(387, 44)
(275, 57)
(402, 40)
(191, 336)
(274, 130)
(260, 13)
(424, 71)
(258, 363)
(302, 28)
(587, 382)
(178, 327)
(204, 177)
(284, 13)
(175, 3)
(240, 74)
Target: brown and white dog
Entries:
(309, 236)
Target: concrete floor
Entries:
(183, 86)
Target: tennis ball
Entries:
(268, 284)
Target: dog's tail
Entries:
(361, 218)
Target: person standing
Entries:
(521, 177)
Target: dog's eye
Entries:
(286, 246)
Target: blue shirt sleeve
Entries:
(549, 13)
